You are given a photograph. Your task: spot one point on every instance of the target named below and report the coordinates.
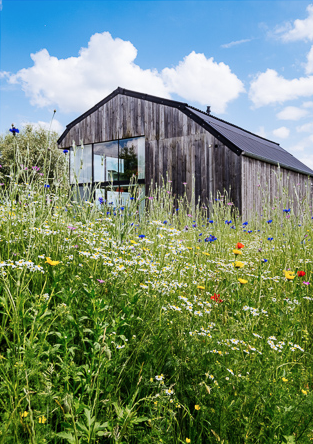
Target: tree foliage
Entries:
(33, 152)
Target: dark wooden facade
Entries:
(182, 150)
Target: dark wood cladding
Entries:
(177, 148)
(266, 186)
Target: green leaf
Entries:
(68, 436)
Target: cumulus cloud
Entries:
(75, 84)
(300, 30)
(199, 79)
(307, 160)
(56, 125)
(269, 87)
(282, 132)
(292, 113)
(235, 43)
(309, 64)
(306, 128)
(302, 145)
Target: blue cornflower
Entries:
(287, 211)
(269, 221)
(47, 186)
(65, 151)
(200, 234)
(270, 238)
(233, 227)
(165, 222)
(14, 130)
(132, 198)
(141, 236)
(228, 222)
(245, 223)
(211, 238)
(108, 212)
(194, 225)
(264, 260)
(211, 221)
(249, 231)
(122, 208)
(101, 200)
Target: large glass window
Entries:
(81, 164)
(119, 160)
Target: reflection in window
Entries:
(119, 160)
(81, 164)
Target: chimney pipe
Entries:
(208, 110)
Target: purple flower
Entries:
(306, 283)
(100, 281)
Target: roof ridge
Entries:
(231, 124)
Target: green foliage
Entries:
(137, 329)
(32, 147)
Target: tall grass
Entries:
(119, 326)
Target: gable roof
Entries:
(241, 141)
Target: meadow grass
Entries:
(120, 326)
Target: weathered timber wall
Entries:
(176, 146)
(264, 184)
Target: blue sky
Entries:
(252, 61)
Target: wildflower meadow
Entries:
(152, 322)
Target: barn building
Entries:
(159, 139)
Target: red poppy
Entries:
(216, 298)
(301, 273)
(239, 245)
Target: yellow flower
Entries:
(304, 392)
(197, 407)
(284, 379)
(289, 275)
(133, 242)
(238, 264)
(242, 281)
(237, 252)
(50, 262)
(24, 414)
(42, 419)
(188, 440)
(201, 288)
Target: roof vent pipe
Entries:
(208, 110)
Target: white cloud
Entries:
(77, 83)
(301, 29)
(235, 43)
(282, 132)
(269, 87)
(292, 113)
(306, 128)
(309, 64)
(199, 79)
(307, 104)
(261, 132)
(56, 125)
(307, 160)
(307, 142)
(0, 5)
